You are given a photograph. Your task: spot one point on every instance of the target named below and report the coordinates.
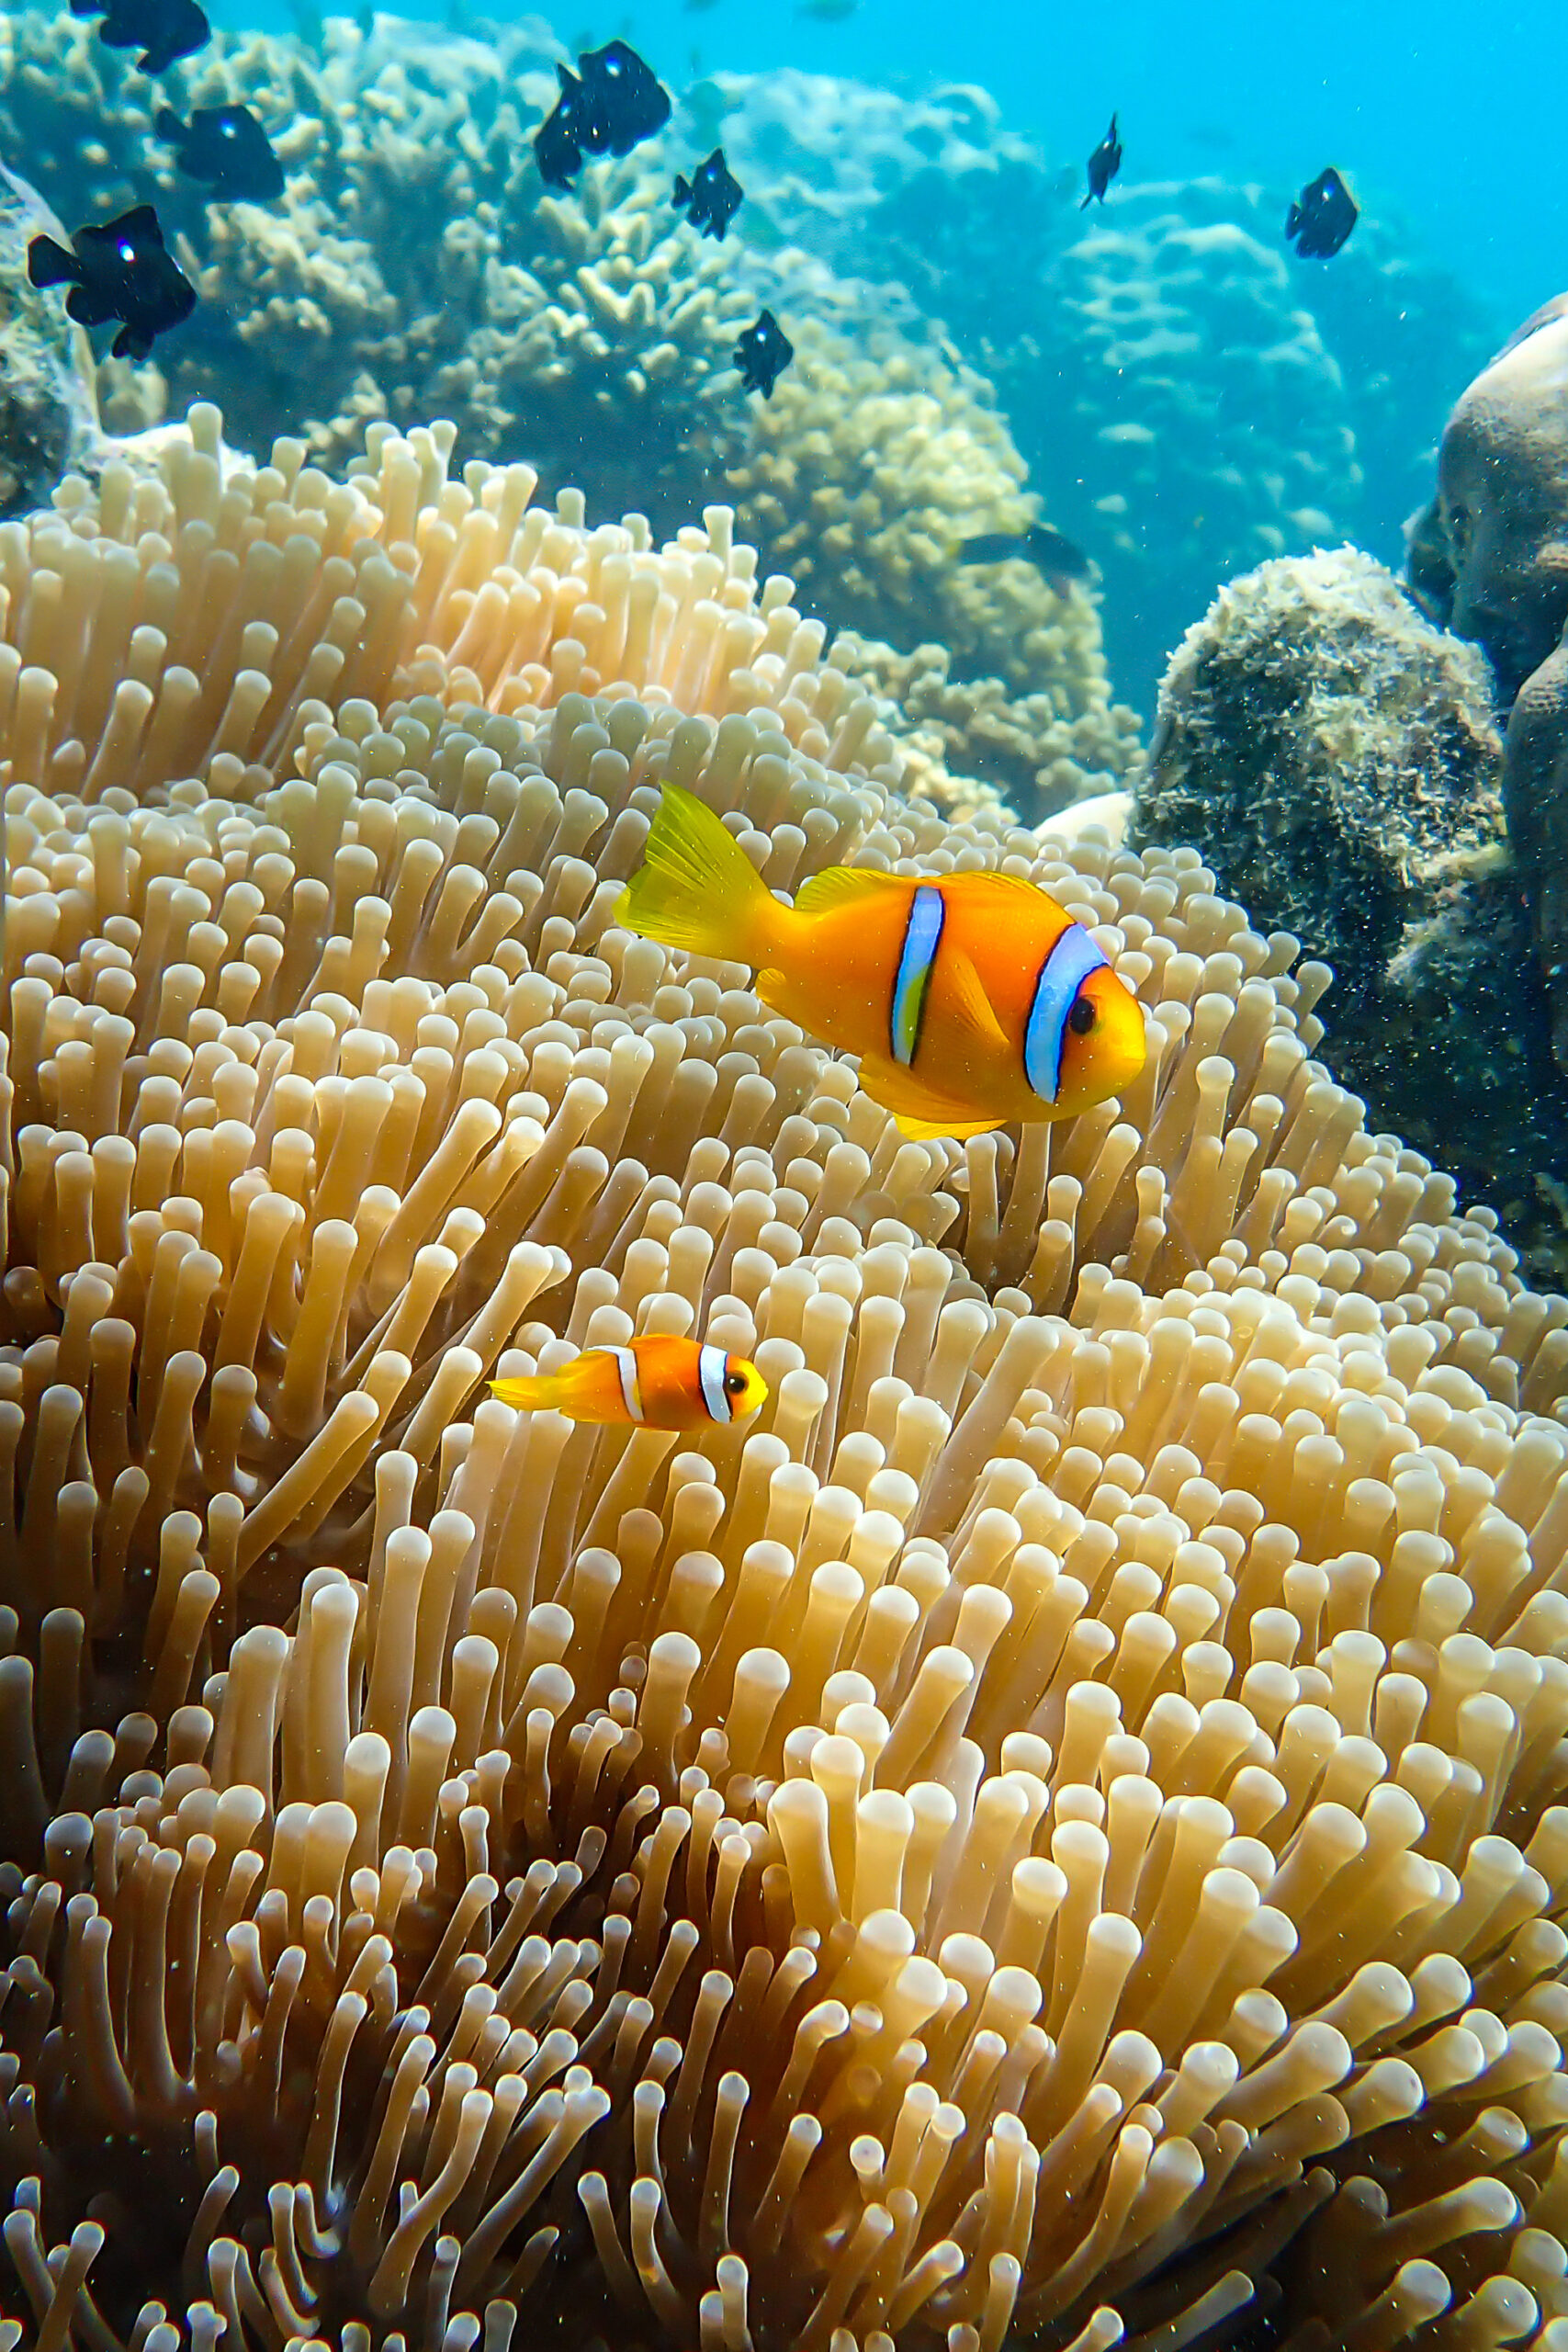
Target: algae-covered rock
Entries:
(1336, 757)
(1490, 556)
(49, 419)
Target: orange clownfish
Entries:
(971, 998)
(663, 1384)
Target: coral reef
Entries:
(49, 418)
(874, 458)
(1189, 400)
(820, 153)
(1490, 557)
(1197, 423)
(417, 263)
(975, 743)
(1337, 756)
(1055, 1826)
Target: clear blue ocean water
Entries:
(1450, 120)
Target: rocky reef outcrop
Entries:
(1335, 756)
(1490, 557)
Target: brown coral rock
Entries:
(1492, 555)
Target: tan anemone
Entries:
(1055, 1826)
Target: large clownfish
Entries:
(971, 998)
(660, 1382)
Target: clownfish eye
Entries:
(1080, 1019)
(735, 1383)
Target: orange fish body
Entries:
(659, 1382)
(972, 1000)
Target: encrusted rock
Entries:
(1490, 556)
(1335, 756)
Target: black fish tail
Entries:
(1087, 202)
(167, 125)
(50, 264)
(683, 191)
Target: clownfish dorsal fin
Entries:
(841, 886)
(967, 997)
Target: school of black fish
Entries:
(121, 271)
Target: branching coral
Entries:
(1066, 1799)
(417, 264)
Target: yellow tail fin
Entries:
(697, 889)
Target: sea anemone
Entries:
(1053, 1828)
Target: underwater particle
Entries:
(1321, 218)
(162, 30)
(762, 354)
(971, 998)
(1056, 556)
(1102, 166)
(711, 197)
(118, 270)
(227, 148)
(657, 1381)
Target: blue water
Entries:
(1449, 120)
(1450, 116)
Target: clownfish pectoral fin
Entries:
(842, 886)
(968, 999)
(919, 1111)
(929, 1130)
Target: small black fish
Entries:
(612, 102)
(119, 269)
(762, 354)
(623, 101)
(162, 30)
(1103, 165)
(711, 197)
(1057, 556)
(227, 147)
(1321, 218)
(556, 152)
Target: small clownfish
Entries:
(971, 998)
(661, 1383)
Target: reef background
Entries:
(1189, 400)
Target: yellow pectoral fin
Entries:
(930, 1130)
(918, 1110)
(967, 1005)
